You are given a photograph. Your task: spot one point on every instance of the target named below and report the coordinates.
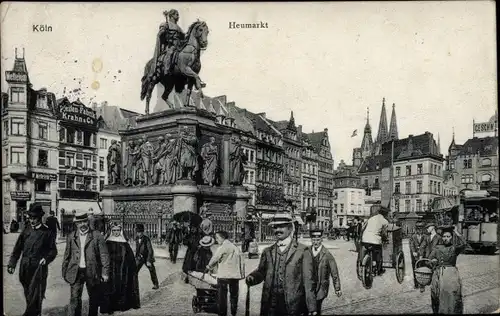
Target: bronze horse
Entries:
(184, 69)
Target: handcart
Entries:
(205, 299)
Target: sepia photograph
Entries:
(251, 158)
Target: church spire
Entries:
(367, 142)
(291, 123)
(393, 127)
(382, 135)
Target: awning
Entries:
(79, 206)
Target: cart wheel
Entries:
(366, 272)
(196, 307)
(359, 269)
(400, 267)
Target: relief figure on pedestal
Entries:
(159, 161)
(146, 154)
(137, 164)
(114, 163)
(188, 163)
(237, 160)
(210, 155)
(170, 161)
(128, 164)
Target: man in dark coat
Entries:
(434, 238)
(37, 245)
(86, 261)
(174, 239)
(286, 268)
(144, 254)
(248, 233)
(52, 223)
(324, 267)
(419, 243)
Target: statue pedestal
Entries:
(241, 203)
(184, 194)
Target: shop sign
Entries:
(20, 195)
(79, 114)
(44, 176)
(14, 76)
(486, 127)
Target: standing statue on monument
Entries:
(176, 59)
(137, 163)
(188, 163)
(210, 155)
(159, 161)
(171, 160)
(146, 153)
(128, 164)
(237, 160)
(114, 163)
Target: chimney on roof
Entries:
(23, 52)
(411, 135)
(325, 130)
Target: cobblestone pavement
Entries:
(58, 294)
(479, 273)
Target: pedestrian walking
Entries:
(52, 223)
(230, 269)
(121, 292)
(286, 268)
(248, 233)
(36, 244)
(192, 241)
(419, 243)
(446, 286)
(174, 239)
(324, 267)
(434, 237)
(144, 254)
(85, 262)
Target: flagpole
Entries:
(392, 173)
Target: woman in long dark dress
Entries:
(203, 254)
(191, 241)
(446, 286)
(121, 293)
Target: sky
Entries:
(326, 62)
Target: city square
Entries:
(145, 152)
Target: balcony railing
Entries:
(78, 195)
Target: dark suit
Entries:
(325, 266)
(96, 264)
(144, 253)
(436, 240)
(298, 282)
(419, 245)
(53, 224)
(34, 245)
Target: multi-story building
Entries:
(321, 146)
(29, 145)
(105, 136)
(418, 174)
(309, 179)
(78, 157)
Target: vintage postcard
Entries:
(249, 158)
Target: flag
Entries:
(354, 133)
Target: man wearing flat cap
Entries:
(324, 266)
(37, 245)
(286, 268)
(144, 254)
(85, 262)
(419, 243)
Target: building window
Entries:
(485, 179)
(376, 183)
(87, 138)
(341, 208)
(43, 158)
(452, 165)
(366, 182)
(17, 155)
(87, 182)
(439, 188)
(252, 156)
(70, 136)
(467, 178)
(62, 134)
(397, 187)
(87, 162)
(486, 162)
(408, 170)
(21, 185)
(5, 128)
(398, 171)
(101, 163)
(252, 177)
(79, 137)
(101, 183)
(17, 95)
(419, 168)
(42, 185)
(18, 127)
(42, 131)
(396, 205)
(408, 187)
(70, 182)
(407, 206)
(70, 159)
(467, 163)
(419, 186)
(419, 205)
(6, 186)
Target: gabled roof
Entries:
(485, 146)
(316, 139)
(371, 163)
(240, 120)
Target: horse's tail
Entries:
(146, 79)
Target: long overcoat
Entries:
(96, 258)
(327, 267)
(299, 283)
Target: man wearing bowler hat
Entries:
(86, 261)
(144, 254)
(434, 238)
(286, 268)
(37, 245)
(418, 248)
(324, 266)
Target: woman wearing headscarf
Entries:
(446, 286)
(122, 290)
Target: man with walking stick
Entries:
(37, 245)
(290, 261)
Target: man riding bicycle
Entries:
(374, 233)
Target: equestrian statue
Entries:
(176, 60)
